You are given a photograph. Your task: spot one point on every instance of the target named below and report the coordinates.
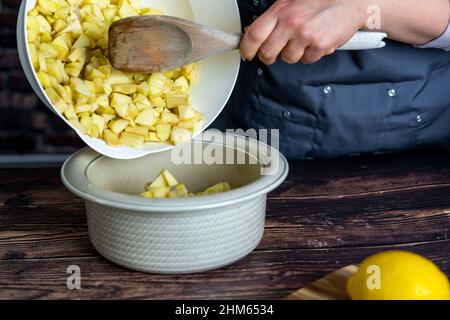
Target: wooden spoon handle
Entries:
(363, 40)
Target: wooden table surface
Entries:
(328, 214)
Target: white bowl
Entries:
(217, 74)
(174, 236)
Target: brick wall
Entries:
(26, 125)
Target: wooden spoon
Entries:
(162, 43)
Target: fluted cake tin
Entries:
(175, 236)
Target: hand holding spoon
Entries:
(162, 43)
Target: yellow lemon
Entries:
(398, 275)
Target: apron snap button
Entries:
(392, 93)
(327, 90)
(287, 115)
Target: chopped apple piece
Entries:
(170, 179)
(147, 194)
(160, 192)
(180, 135)
(158, 182)
(117, 76)
(73, 69)
(168, 117)
(182, 83)
(118, 99)
(126, 88)
(47, 50)
(153, 137)
(140, 131)
(126, 10)
(163, 131)
(131, 140)
(186, 112)
(176, 100)
(111, 138)
(146, 118)
(80, 86)
(76, 123)
(117, 126)
(156, 82)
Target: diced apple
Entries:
(74, 69)
(56, 100)
(140, 131)
(170, 179)
(156, 82)
(43, 24)
(80, 86)
(168, 117)
(160, 192)
(188, 124)
(83, 108)
(147, 194)
(125, 88)
(158, 182)
(103, 100)
(43, 64)
(153, 137)
(180, 135)
(59, 25)
(50, 5)
(186, 112)
(44, 79)
(146, 118)
(125, 10)
(99, 121)
(143, 89)
(131, 140)
(117, 126)
(86, 122)
(70, 113)
(106, 69)
(163, 131)
(76, 123)
(173, 101)
(82, 42)
(122, 110)
(159, 102)
(77, 55)
(118, 99)
(182, 83)
(117, 76)
(45, 37)
(47, 50)
(108, 117)
(111, 138)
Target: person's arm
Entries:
(307, 30)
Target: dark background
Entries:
(27, 126)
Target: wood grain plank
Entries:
(261, 275)
(394, 218)
(318, 178)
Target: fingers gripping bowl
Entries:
(217, 75)
(181, 235)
